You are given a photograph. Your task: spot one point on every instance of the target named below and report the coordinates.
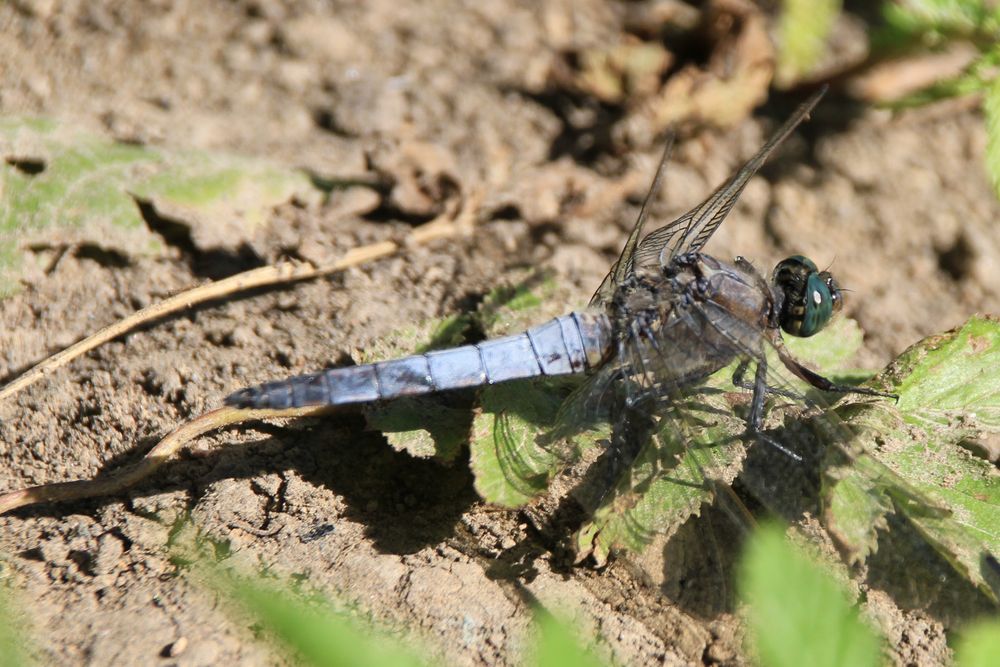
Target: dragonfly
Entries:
(666, 317)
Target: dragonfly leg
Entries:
(631, 419)
(739, 381)
(755, 420)
(824, 384)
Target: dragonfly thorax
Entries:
(692, 317)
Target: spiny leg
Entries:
(739, 381)
(633, 424)
(824, 384)
(755, 420)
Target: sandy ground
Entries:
(441, 100)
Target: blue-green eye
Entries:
(808, 297)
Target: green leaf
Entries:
(833, 349)
(918, 23)
(510, 460)
(557, 646)
(949, 380)
(979, 645)
(991, 107)
(908, 457)
(63, 185)
(423, 427)
(316, 633)
(803, 30)
(673, 476)
(12, 635)
(510, 309)
(509, 463)
(797, 614)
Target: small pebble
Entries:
(177, 647)
(241, 336)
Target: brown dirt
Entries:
(442, 97)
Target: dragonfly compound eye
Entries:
(808, 297)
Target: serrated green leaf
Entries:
(422, 427)
(84, 188)
(803, 30)
(510, 464)
(673, 476)
(950, 380)
(909, 457)
(797, 613)
(855, 507)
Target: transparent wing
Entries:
(680, 447)
(836, 473)
(691, 231)
(623, 266)
(671, 450)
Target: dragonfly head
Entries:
(809, 297)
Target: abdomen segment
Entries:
(569, 344)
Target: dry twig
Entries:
(454, 221)
(162, 452)
(447, 225)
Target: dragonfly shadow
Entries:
(697, 564)
(404, 503)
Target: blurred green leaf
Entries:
(63, 185)
(797, 614)
(915, 23)
(557, 646)
(979, 645)
(316, 633)
(991, 108)
(803, 30)
(12, 635)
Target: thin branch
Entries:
(455, 220)
(447, 225)
(164, 450)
